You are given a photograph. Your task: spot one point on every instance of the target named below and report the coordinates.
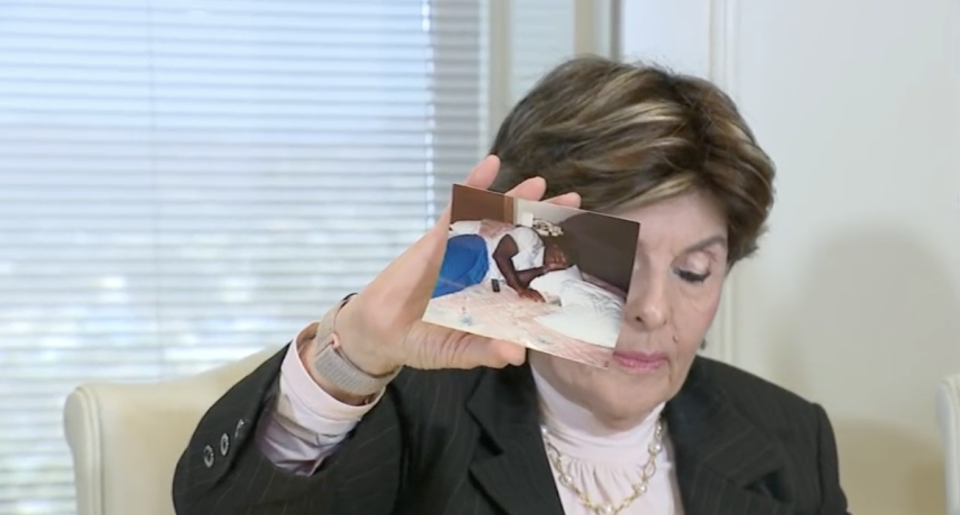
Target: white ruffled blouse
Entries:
(605, 465)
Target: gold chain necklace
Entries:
(640, 488)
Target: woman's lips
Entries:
(640, 361)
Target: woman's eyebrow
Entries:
(717, 239)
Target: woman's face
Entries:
(674, 292)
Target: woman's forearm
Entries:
(308, 423)
(518, 280)
(525, 277)
(503, 257)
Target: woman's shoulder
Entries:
(755, 397)
(733, 376)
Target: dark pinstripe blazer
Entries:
(468, 443)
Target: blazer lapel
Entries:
(721, 457)
(512, 468)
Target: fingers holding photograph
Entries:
(548, 277)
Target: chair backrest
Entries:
(126, 438)
(948, 412)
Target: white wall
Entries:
(528, 38)
(854, 299)
(542, 210)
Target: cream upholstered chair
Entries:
(126, 438)
(948, 411)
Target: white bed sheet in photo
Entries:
(588, 312)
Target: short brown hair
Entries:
(624, 135)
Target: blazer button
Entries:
(208, 456)
(224, 444)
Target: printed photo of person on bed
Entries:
(548, 277)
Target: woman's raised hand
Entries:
(380, 329)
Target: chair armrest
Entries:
(948, 414)
(126, 438)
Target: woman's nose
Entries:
(647, 302)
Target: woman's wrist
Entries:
(308, 350)
(345, 371)
(357, 348)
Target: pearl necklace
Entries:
(640, 488)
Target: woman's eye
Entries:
(691, 277)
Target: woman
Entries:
(372, 412)
(517, 258)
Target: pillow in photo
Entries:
(594, 298)
(589, 313)
(552, 283)
(465, 227)
(582, 325)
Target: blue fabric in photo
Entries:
(465, 263)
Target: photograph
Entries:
(548, 277)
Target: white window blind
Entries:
(183, 182)
(534, 54)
